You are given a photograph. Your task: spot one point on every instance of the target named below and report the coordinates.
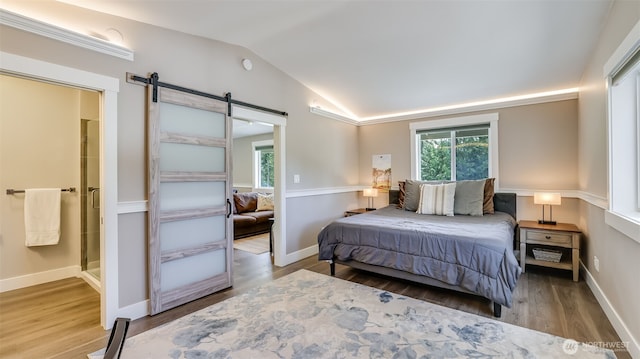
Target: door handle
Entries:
(228, 208)
(93, 191)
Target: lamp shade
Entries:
(370, 192)
(547, 198)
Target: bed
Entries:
(470, 254)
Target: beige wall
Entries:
(618, 254)
(323, 151)
(243, 160)
(319, 211)
(537, 146)
(39, 147)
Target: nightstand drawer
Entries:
(549, 238)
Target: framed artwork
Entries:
(381, 175)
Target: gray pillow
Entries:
(469, 197)
(412, 193)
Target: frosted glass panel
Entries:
(183, 271)
(192, 232)
(191, 158)
(186, 195)
(191, 121)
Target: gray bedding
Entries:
(473, 253)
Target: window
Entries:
(461, 148)
(466, 159)
(263, 164)
(622, 72)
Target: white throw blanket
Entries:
(42, 216)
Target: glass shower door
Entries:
(90, 181)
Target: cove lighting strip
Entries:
(540, 97)
(61, 34)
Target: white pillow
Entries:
(437, 199)
(265, 202)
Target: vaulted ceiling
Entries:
(375, 58)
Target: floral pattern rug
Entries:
(311, 315)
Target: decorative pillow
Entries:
(469, 197)
(400, 194)
(265, 202)
(412, 193)
(245, 201)
(437, 199)
(489, 191)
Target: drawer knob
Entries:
(547, 237)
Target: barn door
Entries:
(190, 229)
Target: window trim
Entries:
(488, 118)
(623, 220)
(255, 162)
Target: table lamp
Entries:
(547, 198)
(370, 193)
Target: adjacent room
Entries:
(319, 179)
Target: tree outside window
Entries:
(468, 159)
(264, 166)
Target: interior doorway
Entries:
(108, 88)
(55, 145)
(253, 187)
(273, 126)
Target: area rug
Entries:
(255, 244)
(310, 315)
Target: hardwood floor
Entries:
(62, 319)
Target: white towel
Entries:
(42, 216)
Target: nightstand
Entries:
(353, 212)
(550, 239)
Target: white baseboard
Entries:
(612, 315)
(91, 280)
(135, 310)
(28, 280)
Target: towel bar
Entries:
(14, 191)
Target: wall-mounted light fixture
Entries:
(370, 193)
(322, 112)
(102, 43)
(247, 64)
(550, 199)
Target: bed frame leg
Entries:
(497, 310)
(332, 265)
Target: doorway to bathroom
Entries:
(53, 145)
(107, 89)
